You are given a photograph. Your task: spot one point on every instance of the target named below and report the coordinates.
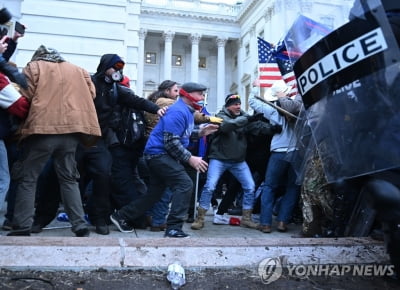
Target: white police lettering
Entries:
(348, 87)
(355, 51)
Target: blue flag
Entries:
(303, 34)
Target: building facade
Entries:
(192, 40)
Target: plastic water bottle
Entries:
(176, 275)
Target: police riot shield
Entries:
(350, 85)
(303, 34)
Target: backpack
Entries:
(131, 131)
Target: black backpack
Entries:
(131, 131)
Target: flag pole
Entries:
(279, 109)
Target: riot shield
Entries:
(303, 34)
(350, 82)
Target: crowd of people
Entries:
(71, 138)
(74, 147)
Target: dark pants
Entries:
(94, 164)
(164, 172)
(37, 151)
(13, 154)
(48, 196)
(127, 185)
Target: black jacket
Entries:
(111, 98)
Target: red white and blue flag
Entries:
(268, 68)
(286, 67)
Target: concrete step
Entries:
(194, 253)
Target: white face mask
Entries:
(200, 103)
(117, 76)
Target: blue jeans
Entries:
(160, 209)
(4, 173)
(279, 172)
(238, 169)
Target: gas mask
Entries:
(116, 76)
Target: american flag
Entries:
(268, 68)
(286, 68)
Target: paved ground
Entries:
(62, 229)
(217, 257)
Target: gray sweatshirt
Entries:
(286, 140)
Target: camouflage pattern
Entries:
(317, 198)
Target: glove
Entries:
(19, 108)
(276, 129)
(215, 120)
(13, 74)
(256, 117)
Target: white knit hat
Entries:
(277, 87)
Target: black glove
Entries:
(13, 74)
(276, 129)
(255, 117)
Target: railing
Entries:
(196, 5)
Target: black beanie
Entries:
(232, 99)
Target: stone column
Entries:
(240, 60)
(253, 44)
(140, 70)
(195, 39)
(168, 37)
(221, 72)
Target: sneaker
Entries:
(36, 228)
(102, 229)
(122, 225)
(221, 219)
(7, 225)
(82, 233)
(173, 233)
(19, 232)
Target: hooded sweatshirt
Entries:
(112, 97)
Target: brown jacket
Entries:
(152, 119)
(61, 96)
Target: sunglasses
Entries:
(119, 65)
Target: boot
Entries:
(199, 222)
(246, 219)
